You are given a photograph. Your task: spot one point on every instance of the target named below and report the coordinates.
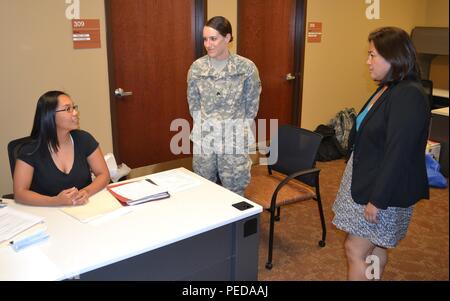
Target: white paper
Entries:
(122, 171)
(110, 161)
(441, 111)
(174, 180)
(13, 222)
(138, 190)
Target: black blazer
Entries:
(389, 148)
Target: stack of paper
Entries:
(137, 192)
(21, 229)
(174, 180)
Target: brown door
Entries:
(271, 34)
(151, 45)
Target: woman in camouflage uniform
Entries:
(223, 95)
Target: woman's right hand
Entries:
(68, 197)
(370, 213)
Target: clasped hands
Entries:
(73, 197)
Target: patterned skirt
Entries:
(349, 216)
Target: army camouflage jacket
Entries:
(221, 97)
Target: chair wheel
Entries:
(322, 243)
(269, 265)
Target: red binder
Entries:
(130, 202)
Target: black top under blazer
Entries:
(389, 148)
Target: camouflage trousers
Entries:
(233, 170)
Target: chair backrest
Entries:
(428, 87)
(14, 148)
(297, 150)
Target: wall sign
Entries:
(314, 32)
(86, 33)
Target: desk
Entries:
(439, 133)
(194, 235)
(440, 98)
(440, 93)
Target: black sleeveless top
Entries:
(47, 178)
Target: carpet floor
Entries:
(422, 255)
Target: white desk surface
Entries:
(440, 92)
(75, 248)
(441, 111)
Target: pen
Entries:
(23, 243)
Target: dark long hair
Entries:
(222, 25)
(44, 125)
(396, 47)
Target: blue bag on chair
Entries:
(435, 178)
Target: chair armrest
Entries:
(287, 179)
(8, 196)
(304, 172)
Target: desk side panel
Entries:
(216, 255)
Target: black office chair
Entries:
(428, 87)
(291, 179)
(14, 148)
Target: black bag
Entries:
(329, 148)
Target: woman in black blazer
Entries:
(385, 174)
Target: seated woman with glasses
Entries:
(55, 168)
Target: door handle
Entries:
(289, 76)
(119, 92)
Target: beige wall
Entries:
(36, 55)
(335, 70)
(227, 9)
(437, 13)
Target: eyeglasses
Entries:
(68, 109)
